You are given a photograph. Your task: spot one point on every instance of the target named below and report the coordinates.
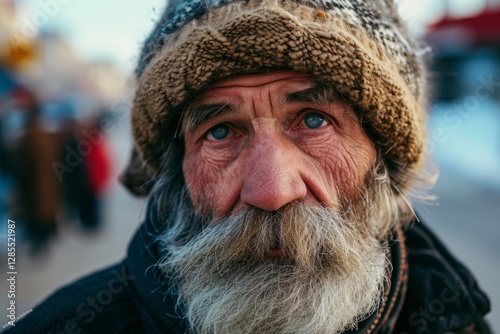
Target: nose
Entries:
(272, 175)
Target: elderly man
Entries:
(282, 139)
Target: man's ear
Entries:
(136, 178)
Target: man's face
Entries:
(279, 171)
(265, 140)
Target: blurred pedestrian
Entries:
(96, 173)
(38, 191)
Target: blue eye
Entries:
(219, 132)
(314, 120)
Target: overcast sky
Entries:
(115, 29)
(109, 29)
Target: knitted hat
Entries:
(362, 48)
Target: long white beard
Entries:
(330, 277)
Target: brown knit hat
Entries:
(360, 47)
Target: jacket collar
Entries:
(150, 282)
(443, 295)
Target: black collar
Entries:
(150, 283)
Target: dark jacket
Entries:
(431, 292)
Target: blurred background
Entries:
(65, 91)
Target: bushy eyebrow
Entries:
(197, 114)
(320, 94)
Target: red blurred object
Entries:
(480, 29)
(99, 167)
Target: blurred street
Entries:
(74, 252)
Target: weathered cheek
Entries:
(200, 177)
(339, 168)
(345, 165)
(205, 179)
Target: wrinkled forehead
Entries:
(279, 84)
(262, 78)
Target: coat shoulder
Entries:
(442, 294)
(99, 303)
